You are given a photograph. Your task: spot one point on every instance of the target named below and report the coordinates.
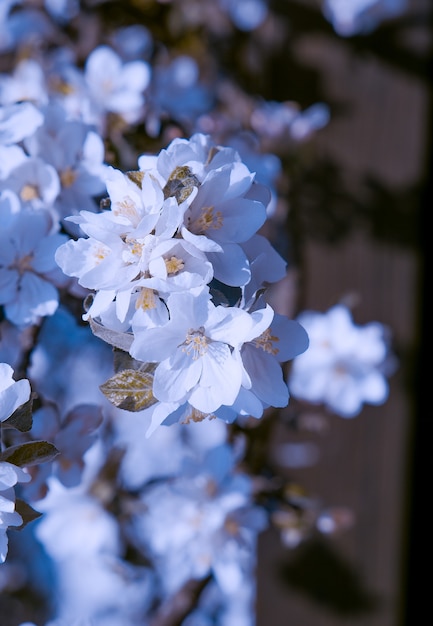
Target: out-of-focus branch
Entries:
(174, 611)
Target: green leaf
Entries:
(30, 453)
(130, 390)
(27, 512)
(22, 418)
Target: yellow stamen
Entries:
(67, 177)
(209, 219)
(195, 343)
(29, 192)
(24, 264)
(231, 526)
(100, 252)
(62, 87)
(174, 265)
(146, 299)
(265, 341)
(135, 248)
(126, 208)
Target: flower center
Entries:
(146, 299)
(196, 343)
(126, 208)
(265, 341)
(23, 264)
(174, 265)
(67, 177)
(62, 87)
(208, 219)
(133, 250)
(231, 526)
(100, 252)
(29, 192)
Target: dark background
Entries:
(371, 173)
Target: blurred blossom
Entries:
(162, 455)
(12, 393)
(6, 38)
(213, 523)
(69, 362)
(62, 10)
(67, 86)
(75, 523)
(26, 82)
(275, 120)
(10, 475)
(176, 94)
(133, 42)
(34, 181)
(84, 543)
(311, 119)
(355, 17)
(300, 454)
(345, 365)
(28, 273)
(76, 152)
(293, 524)
(335, 519)
(246, 14)
(22, 27)
(116, 86)
(12, 343)
(17, 121)
(72, 434)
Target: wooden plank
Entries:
(364, 463)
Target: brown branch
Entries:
(174, 611)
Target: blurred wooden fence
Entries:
(379, 132)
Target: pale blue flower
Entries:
(18, 121)
(194, 353)
(344, 365)
(28, 271)
(354, 17)
(10, 475)
(13, 393)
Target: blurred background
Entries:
(362, 213)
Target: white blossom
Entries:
(10, 475)
(344, 366)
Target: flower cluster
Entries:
(179, 269)
(40, 182)
(214, 523)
